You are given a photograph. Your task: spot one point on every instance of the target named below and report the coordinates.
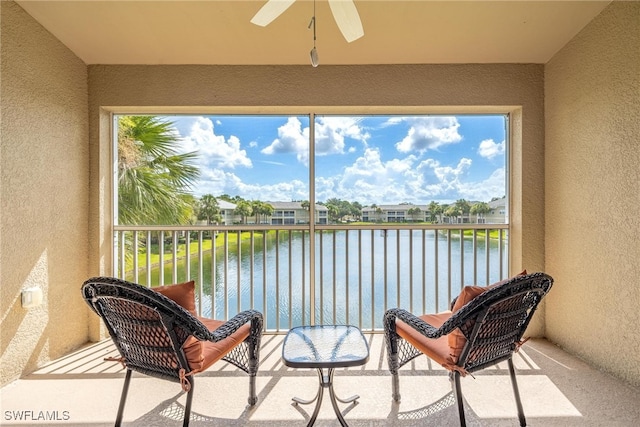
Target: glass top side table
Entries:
(325, 347)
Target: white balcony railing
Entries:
(358, 271)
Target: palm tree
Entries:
(209, 209)
(243, 209)
(266, 210)
(260, 209)
(414, 212)
(453, 211)
(153, 179)
(435, 210)
(464, 207)
(480, 209)
(333, 212)
(379, 213)
(356, 210)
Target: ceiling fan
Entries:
(344, 12)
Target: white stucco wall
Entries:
(44, 174)
(592, 109)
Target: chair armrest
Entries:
(415, 322)
(233, 324)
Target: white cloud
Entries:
(447, 174)
(330, 135)
(213, 150)
(493, 186)
(428, 133)
(331, 132)
(219, 182)
(291, 139)
(369, 179)
(489, 149)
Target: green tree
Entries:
(414, 212)
(453, 211)
(266, 210)
(464, 207)
(338, 209)
(208, 209)
(153, 179)
(379, 213)
(435, 211)
(356, 210)
(480, 209)
(333, 212)
(260, 210)
(243, 208)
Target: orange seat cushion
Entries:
(457, 340)
(202, 354)
(184, 294)
(436, 349)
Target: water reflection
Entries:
(358, 274)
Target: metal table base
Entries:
(324, 348)
(326, 381)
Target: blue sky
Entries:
(368, 159)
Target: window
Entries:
(361, 163)
(228, 173)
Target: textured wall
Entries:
(592, 97)
(44, 194)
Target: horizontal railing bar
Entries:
(300, 227)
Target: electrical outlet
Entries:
(31, 297)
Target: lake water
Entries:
(355, 289)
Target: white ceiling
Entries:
(396, 32)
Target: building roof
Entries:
(293, 205)
(404, 207)
(500, 203)
(223, 204)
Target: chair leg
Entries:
(454, 377)
(123, 398)
(253, 398)
(253, 344)
(253, 370)
(391, 340)
(187, 406)
(514, 383)
(395, 380)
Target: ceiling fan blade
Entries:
(270, 11)
(347, 18)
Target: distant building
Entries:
(395, 213)
(226, 212)
(290, 213)
(498, 213)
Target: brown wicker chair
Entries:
(157, 337)
(477, 334)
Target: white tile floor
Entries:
(82, 389)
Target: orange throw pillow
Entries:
(184, 294)
(457, 339)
